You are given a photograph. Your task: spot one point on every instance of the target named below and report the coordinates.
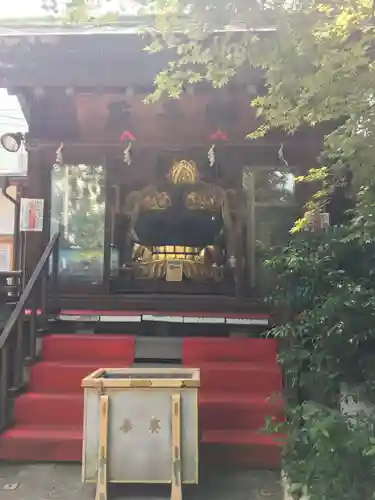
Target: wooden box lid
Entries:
(146, 378)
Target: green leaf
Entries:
(295, 487)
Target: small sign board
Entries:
(174, 271)
(31, 216)
(317, 221)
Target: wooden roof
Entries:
(78, 68)
(111, 55)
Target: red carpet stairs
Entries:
(238, 376)
(239, 381)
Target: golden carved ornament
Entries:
(202, 201)
(192, 270)
(199, 271)
(174, 252)
(184, 172)
(141, 253)
(157, 201)
(145, 200)
(208, 255)
(151, 270)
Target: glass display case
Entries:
(78, 212)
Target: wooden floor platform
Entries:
(162, 303)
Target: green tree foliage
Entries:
(78, 204)
(317, 62)
(326, 280)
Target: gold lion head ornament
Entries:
(184, 172)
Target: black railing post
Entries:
(4, 387)
(43, 301)
(55, 275)
(33, 327)
(23, 268)
(17, 369)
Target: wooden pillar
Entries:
(37, 187)
(108, 225)
(102, 479)
(176, 490)
(240, 257)
(250, 222)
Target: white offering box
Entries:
(141, 426)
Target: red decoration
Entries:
(127, 135)
(218, 135)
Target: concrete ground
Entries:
(62, 482)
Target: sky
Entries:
(20, 8)
(30, 8)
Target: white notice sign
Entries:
(174, 271)
(5, 256)
(31, 216)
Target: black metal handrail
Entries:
(18, 340)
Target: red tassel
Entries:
(218, 135)
(127, 135)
